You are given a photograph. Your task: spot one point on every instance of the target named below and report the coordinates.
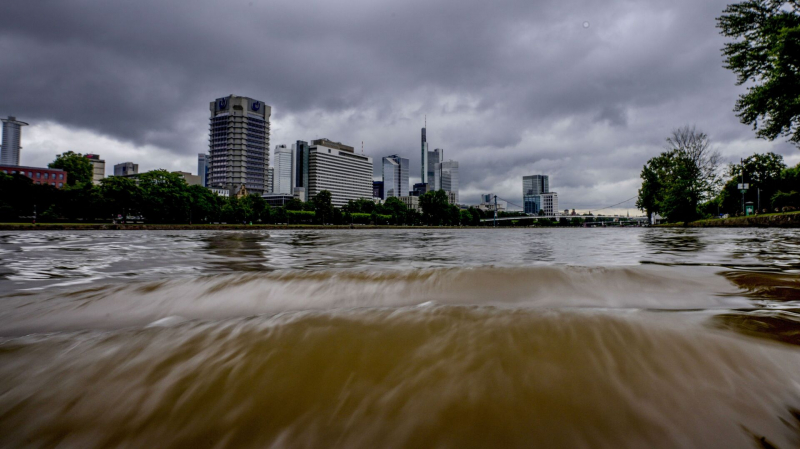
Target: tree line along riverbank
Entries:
(781, 220)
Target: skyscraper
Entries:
(126, 168)
(535, 185)
(202, 168)
(446, 177)
(98, 168)
(425, 166)
(301, 164)
(12, 135)
(284, 178)
(270, 180)
(434, 157)
(536, 195)
(395, 176)
(239, 144)
(336, 168)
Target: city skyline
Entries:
(612, 81)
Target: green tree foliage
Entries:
(465, 218)
(19, 196)
(435, 208)
(655, 176)
(762, 172)
(120, 196)
(77, 166)
(359, 206)
(770, 182)
(164, 197)
(677, 181)
(786, 200)
(323, 207)
(204, 205)
(396, 209)
(765, 54)
(300, 216)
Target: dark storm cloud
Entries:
(510, 88)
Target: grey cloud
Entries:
(509, 87)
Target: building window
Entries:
(61, 176)
(46, 176)
(61, 184)
(38, 174)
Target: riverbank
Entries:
(781, 220)
(190, 227)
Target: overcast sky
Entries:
(583, 91)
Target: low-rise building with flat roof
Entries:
(50, 176)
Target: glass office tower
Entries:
(395, 176)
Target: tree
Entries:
(396, 208)
(679, 179)
(654, 175)
(434, 207)
(119, 196)
(765, 54)
(466, 217)
(82, 200)
(294, 204)
(78, 167)
(256, 207)
(453, 215)
(763, 173)
(323, 207)
(204, 205)
(164, 197)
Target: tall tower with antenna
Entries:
(424, 172)
(12, 134)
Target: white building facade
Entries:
(283, 180)
(339, 170)
(550, 203)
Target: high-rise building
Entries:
(12, 138)
(336, 168)
(421, 188)
(446, 177)
(192, 180)
(126, 168)
(301, 165)
(411, 202)
(425, 165)
(284, 177)
(537, 197)
(434, 157)
(202, 168)
(535, 185)
(98, 168)
(395, 176)
(239, 144)
(270, 187)
(550, 203)
(377, 189)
